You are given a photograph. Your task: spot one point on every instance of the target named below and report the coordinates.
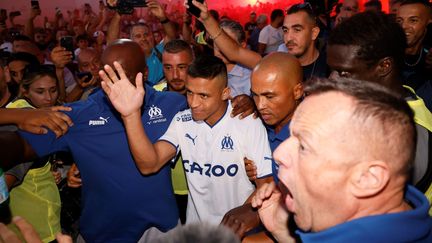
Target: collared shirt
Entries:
(408, 226)
(239, 80)
(154, 65)
(275, 140)
(118, 202)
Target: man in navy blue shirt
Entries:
(119, 203)
(344, 169)
(277, 90)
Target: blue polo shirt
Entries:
(408, 226)
(275, 140)
(118, 202)
(154, 65)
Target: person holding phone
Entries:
(142, 34)
(89, 65)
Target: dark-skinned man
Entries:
(98, 144)
(370, 46)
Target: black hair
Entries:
(303, 7)
(82, 37)
(424, 2)
(374, 3)
(207, 67)
(23, 56)
(276, 13)
(22, 38)
(4, 58)
(377, 34)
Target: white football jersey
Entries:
(213, 161)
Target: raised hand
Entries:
(156, 9)
(273, 214)
(60, 56)
(202, 6)
(125, 97)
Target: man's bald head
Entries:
(276, 87)
(282, 66)
(128, 54)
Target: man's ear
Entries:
(385, 66)
(298, 91)
(315, 32)
(369, 178)
(226, 93)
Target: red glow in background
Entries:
(236, 9)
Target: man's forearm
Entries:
(11, 116)
(229, 47)
(142, 149)
(28, 28)
(13, 150)
(170, 32)
(114, 28)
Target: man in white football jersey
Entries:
(213, 143)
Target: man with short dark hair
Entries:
(353, 189)
(176, 58)
(370, 46)
(414, 16)
(300, 36)
(301, 44)
(218, 187)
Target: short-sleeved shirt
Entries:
(272, 37)
(118, 202)
(275, 139)
(213, 161)
(154, 65)
(239, 80)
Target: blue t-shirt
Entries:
(275, 140)
(118, 202)
(154, 65)
(408, 226)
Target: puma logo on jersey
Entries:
(191, 138)
(101, 122)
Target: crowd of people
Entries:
(304, 123)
